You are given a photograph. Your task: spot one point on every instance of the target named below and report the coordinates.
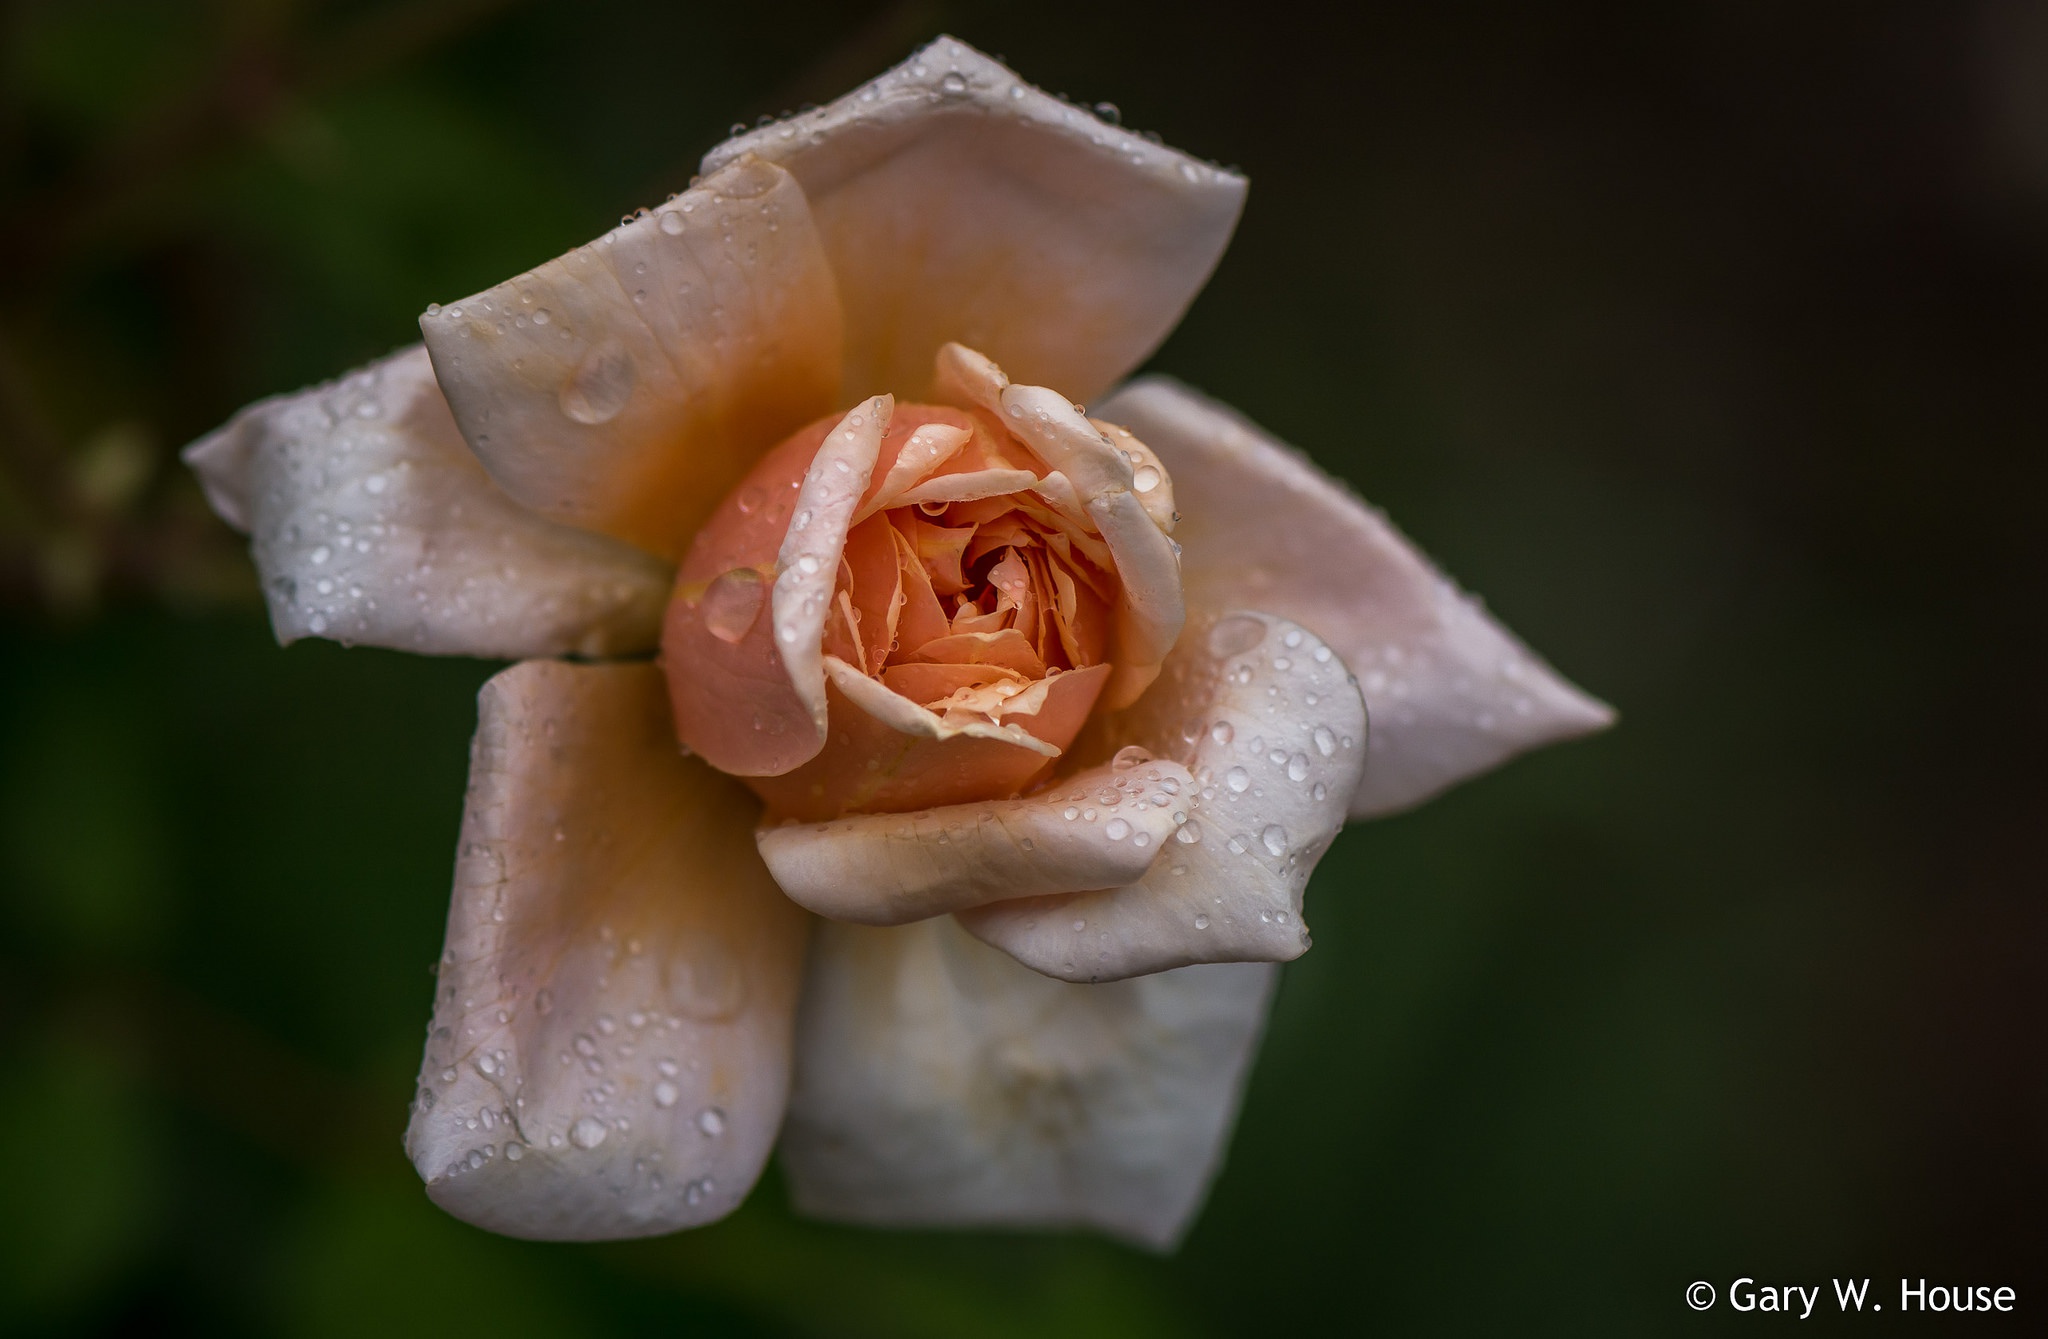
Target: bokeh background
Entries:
(1705, 339)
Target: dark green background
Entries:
(1706, 340)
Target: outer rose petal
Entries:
(1269, 722)
(626, 386)
(940, 1084)
(959, 203)
(609, 1054)
(1452, 693)
(373, 523)
(890, 869)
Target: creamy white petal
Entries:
(959, 203)
(811, 550)
(627, 386)
(1452, 693)
(610, 1048)
(1267, 719)
(1100, 829)
(1150, 615)
(372, 523)
(939, 1084)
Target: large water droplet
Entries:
(587, 1132)
(1235, 635)
(732, 602)
(1274, 839)
(601, 384)
(1238, 780)
(1326, 742)
(666, 1094)
(711, 1121)
(1297, 767)
(1145, 480)
(1189, 832)
(1117, 830)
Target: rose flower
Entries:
(816, 610)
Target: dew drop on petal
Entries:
(732, 602)
(600, 386)
(1274, 839)
(1235, 635)
(587, 1132)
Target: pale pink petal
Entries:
(610, 1047)
(372, 523)
(809, 560)
(1152, 610)
(1451, 692)
(939, 1084)
(627, 386)
(1099, 829)
(1265, 716)
(959, 203)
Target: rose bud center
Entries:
(968, 632)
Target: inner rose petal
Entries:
(971, 579)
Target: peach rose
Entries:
(935, 668)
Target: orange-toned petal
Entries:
(746, 698)
(626, 386)
(1006, 647)
(914, 771)
(926, 684)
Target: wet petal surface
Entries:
(939, 1084)
(609, 1053)
(1100, 829)
(958, 202)
(1265, 717)
(1452, 693)
(372, 523)
(626, 386)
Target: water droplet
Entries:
(953, 85)
(585, 1045)
(711, 1121)
(1117, 830)
(1070, 813)
(1318, 792)
(544, 1002)
(1222, 732)
(1189, 832)
(666, 1094)
(514, 1152)
(1235, 635)
(542, 317)
(732, 602)
(1326, 741)
(1274, 838)
(1238, 780)
(321, 554)
(588, 1132)
(1146, 479)
(1297, 767)
(1080, 926)
(601, 384)
(670, 221)
(1201, 922)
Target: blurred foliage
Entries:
(1703, 338)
